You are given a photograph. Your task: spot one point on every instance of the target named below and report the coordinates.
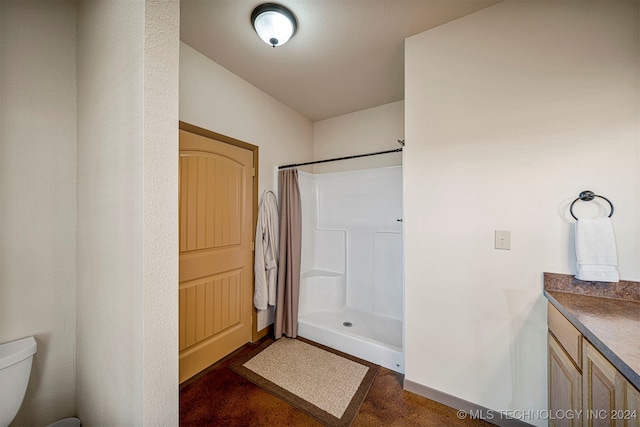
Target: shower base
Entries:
(371, 337)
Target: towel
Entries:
(596, 250)
(265, 263)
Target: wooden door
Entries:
(216, 255)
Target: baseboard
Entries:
(471, 410)
(263, 333)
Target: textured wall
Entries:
(160, 213)
(110, 212)
(38, 197)
(127, 213)
(510, 113)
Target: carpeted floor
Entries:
(220, 397)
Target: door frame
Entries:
(255, 334)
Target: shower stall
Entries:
(352, 284)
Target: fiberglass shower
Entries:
(352, 284)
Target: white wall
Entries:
(215, 99)
(38, 197)
(309, 204)
(510, 113)
(366, 131)
(127, 213)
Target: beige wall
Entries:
(510, 113)
(215, 99)
(109, 268)
(366, 131)
(115, 115)
(127, 213)
(530, 96)
(38, 197)
(160, 213)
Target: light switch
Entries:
(503, 239)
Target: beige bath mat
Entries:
(328, 385)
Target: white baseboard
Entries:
(471, 410)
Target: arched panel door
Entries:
(216, 255)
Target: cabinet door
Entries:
(600, 393)
(630, 404)
(565, 386)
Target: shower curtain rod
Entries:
(293, 165)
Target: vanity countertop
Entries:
(607, 315)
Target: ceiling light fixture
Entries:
(275, 24)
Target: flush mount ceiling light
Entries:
(275, 24)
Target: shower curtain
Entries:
(286, 315)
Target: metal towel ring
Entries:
(587, 196)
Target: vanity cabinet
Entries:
(584, 383)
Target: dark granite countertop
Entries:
(607, 314)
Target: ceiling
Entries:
(346, 56)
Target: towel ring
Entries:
(587, 196)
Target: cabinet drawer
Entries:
(566, 334)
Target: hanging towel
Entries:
(266, 252)
(596, 250)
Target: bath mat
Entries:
(327, 385)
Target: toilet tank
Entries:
(15, 370)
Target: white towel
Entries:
(596, 250)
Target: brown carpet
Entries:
(327, 385)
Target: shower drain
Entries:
(347, 324)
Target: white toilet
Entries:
(15, 370)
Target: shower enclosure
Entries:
(351, 287)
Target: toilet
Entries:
(15, 370)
